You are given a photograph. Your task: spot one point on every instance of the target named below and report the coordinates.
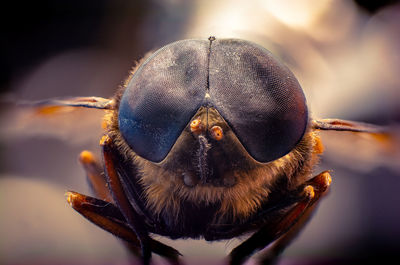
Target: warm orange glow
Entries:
(326, 177)
(104, 124)
(309, 192)
(48, 110)
(195, 125)
(86, 157)
(388, 141)
(318, 147)
(104, 140)
(217, 133)
(71, 197)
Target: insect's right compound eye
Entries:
(162, 96)
(258, 97)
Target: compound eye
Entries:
(162, 97)
(258, 97)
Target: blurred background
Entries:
(344, 53)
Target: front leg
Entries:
(95, 175)
(133, 219)
(281, 230)
(108, 217)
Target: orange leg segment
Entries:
(279, 232)
(120, 198)
(95, 175)
(108, 217)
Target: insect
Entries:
(207, 139)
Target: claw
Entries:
(72, 198)
(322, 181)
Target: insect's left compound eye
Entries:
(162, 97)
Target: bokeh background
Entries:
(344, 53)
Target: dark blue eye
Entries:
(259, 97)
(162, 96)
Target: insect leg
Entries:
(95, 175)
(320, 183)
(133, 219)
(283, 229)
(108, 217)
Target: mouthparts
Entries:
(201, 158)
